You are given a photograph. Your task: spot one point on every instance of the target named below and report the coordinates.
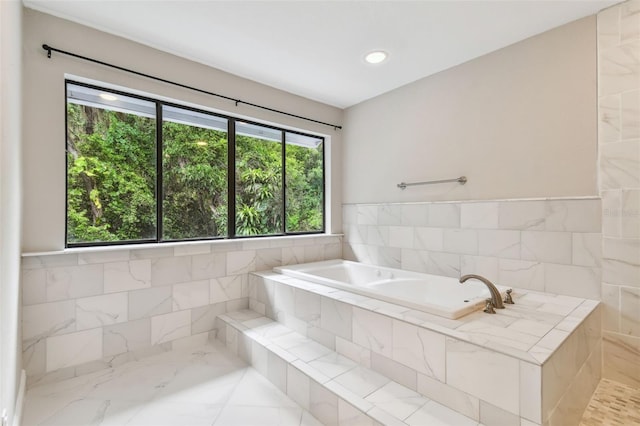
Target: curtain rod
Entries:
(50, 49)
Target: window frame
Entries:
(231, 173)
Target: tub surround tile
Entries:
(373, 332)
(362, 381)
(479, 215)
(126, 276)
(548, 234)
(552, 247)
(573, 215)
(480, 265)
(394, 370)
(226, 288)
(389, 214)
(149, 302)
(433, 413)
(101, 311)
(127, 337)
(587, 249)
(524, 215)
(354, 352)
(521, 273)
(413, 214)
(367, 214)
(170, 270)
(530, 382)
(190, 295)
(48, 319)
(499, 243)
(206, 266)
(449, 396)
(401, 237)
(571, 280)
(461, 241)
(397, 400)
(349, 415)
(34, 286)
(334, 315)
(444, 264)
(70, 282)
(462, 360)
(444, 215)
(419, 349)
(429, 239)
(167, 327)
(565, 311)
(73, 349)
(323, 404)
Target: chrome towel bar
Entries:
(461, 180)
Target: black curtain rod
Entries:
(50, 49)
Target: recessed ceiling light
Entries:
(376, 56)
(108, 96)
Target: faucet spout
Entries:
(496, 298)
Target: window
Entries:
(143, 170)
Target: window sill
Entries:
(197, 247)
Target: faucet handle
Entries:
(508, 299)
(489, 308)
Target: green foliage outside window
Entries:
(111, 181)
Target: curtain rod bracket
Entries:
(48, 49)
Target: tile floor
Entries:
(613, 404)
(210, 386)
(203, 386)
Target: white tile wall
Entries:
(486, 367)
(83, 311)
(619, 169)
(546, 245)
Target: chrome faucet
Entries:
(496, 298)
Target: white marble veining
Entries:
(420, 349)
(205, 386)
(125, 276)
(191, 295)
(100, 311)
(74, 348)
(561, 235)
(167, 327)
(498, 370)
(149, 302)
(71, 282)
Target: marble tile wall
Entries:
(544, 245)
(619, 168)
(90, 309)
(447, 365)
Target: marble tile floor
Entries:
(206, 385)
(613, 404)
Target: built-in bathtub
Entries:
(433, 294)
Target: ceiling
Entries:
(316, 49)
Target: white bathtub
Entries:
(433, 294)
